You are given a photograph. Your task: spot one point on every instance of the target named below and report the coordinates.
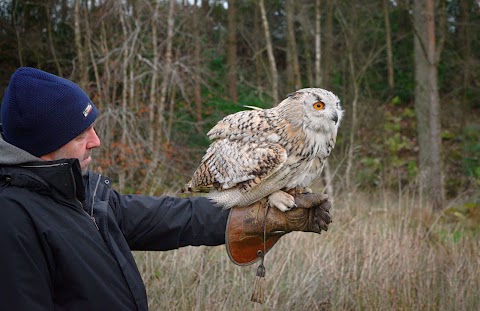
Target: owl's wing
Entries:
(244, 125)
(234, 163)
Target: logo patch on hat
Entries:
(87, 110)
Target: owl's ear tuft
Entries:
(295, 94)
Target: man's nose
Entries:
(93, 140)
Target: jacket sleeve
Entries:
(25, 277)
(165, 223)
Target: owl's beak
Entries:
(335, 117)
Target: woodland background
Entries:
(163, 73)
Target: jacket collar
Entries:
(61, 178)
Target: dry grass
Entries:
(379, 254)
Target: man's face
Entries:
(78, 148)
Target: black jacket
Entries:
(66, 242)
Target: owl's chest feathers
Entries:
(303, 147)
(304, 144)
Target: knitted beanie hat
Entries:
(42, 112)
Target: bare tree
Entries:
(51, 44)
(306, 37)
(16, 24)
(100, 89)
(104, 48)
(271, 57)
(465, 43)
(258, 46)
(388, 39)
(329, 39)
(318, 82)
(294, 77)
(124, 98)
(353, 126)
(318, 43)
(167, 71)
(159, 128)
(197, 68)
(79, 45)
(153, 82)
(427, 102)
(358, 63)
(232, 51)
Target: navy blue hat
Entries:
(42, 112)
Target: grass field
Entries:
(380, 253)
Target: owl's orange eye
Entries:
(318, 106)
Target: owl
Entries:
(269, 152)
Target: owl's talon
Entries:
(282, 200)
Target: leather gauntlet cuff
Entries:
(248, 227)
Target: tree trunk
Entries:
(327, 173)
(307, 55)
(79, 46)
(101, 96)
(197, 69)
(50, 39)
(294, 74)
(355, 80)
(318, 44)
(427, 104)
(18, 34)
(353, 127)
(258, 46)
(232, 51)
(124, 97)
(153, 82)
(271, 57)
(465, 43)
(171, 114)
(109, 89)
(166, 73)
(388, 38)
(160, 128)
(329, 40)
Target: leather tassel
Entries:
(258, 294)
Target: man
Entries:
(66, 236)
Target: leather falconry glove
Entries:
(253, 230)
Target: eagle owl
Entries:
(269, 152)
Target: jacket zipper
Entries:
(80, 203)
(91, 217)
(93, 201)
